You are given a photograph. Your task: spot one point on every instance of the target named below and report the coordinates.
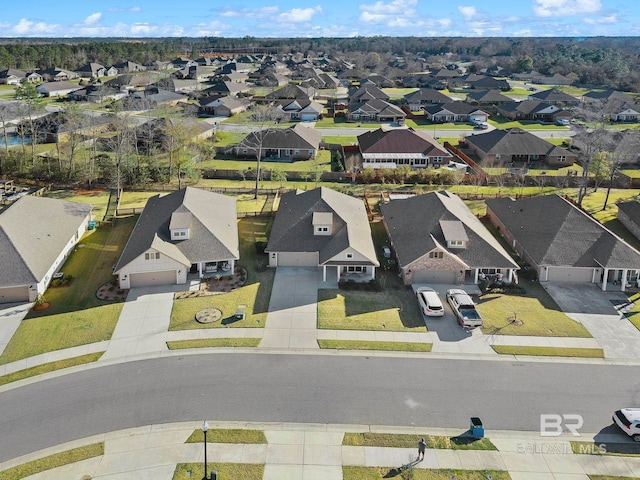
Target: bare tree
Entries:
(31, 107)
(627, 145)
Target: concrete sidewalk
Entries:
(315, 452)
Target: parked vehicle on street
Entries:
(386, 252)
(628, 419)
(429, 301)
(464, 308)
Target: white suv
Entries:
(464, 308)
(429, 301)
(628, 419)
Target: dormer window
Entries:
(322, 223)
(454, 233)
(179, 225)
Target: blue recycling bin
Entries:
(477, 430)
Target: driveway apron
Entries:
(292, 316)
(143, 323)
(10, 317)
(597, 311)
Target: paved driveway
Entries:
(595, 309)
(293, 309)
(11, 314)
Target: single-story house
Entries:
(323, 228)
(391, 148)
(366, 93)
(555, 97)
(12, 76)
(57, 88)
(224, 106)
(533, 110)
(375, 111)
(629, 216)
(454, 112)
(186, 231)
(294, 143)
(36, 236)
(562, 243)
(517, 145)
(438, 240)
(299, 109)
(425, 96)
(487, 98)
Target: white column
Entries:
(624, 279)
(475, 277)
(337, 273)
(509, 275)
(373, 272)
(604, 280)
(324, 273)
(200, 269)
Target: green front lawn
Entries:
(394, 309)
(244, 471)
(76, 316)
(49, 367)
(403, 440)
(503, 123)
(381, 346)
(633, 315)
(228, 435)
(255, 294)
(535, 311)
(322, 163)
(213, 343)
(379, 473)
(549, 351)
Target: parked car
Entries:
(429, 301)
(628, 419)
(386, 252)
(464, 308)
(563, 122)
(481, 126)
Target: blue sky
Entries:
(313, 18)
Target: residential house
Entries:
(629, 216)
(227, 88)
(562, 243)
(554, 96)
(91, 70)
(33, 77)
(555, 79)
(194, 73)
(622, 112)
(391, 148)
(533, 110)
(299, 109)
(177, 85)
(12, 76)
(97, 93)
(379, 81)
(375, 111)
(130, 67)
(36, 236)
(480, 82)
(454, 112)
(323, 228)
(606, 95)
(423, 97)
(150, 98)
(438, 240)
(487, 98)
(182, 62)
(131, 81)
(187, 231)
(286, 144)
(55, 74)
(224, 106)
(517, 145)
(57, 89)
(291, 91)
(366, 93)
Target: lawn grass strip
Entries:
(49, 367)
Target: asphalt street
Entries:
(310, 389)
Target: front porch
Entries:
(622, 279)
(344, 273)
(210, 269)
(505, 276)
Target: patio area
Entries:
(218, 283)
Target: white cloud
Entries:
(296, 15)
(604, 20)
(124, 10)
(261, 12)
(468, 12)
(565, 8)
(395, 13)
(214, 28)
(27, 27)
(445, 22)
(92, 19)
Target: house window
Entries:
(497, 156)
(436, 254)
(322, 229)
(456, 243)
(562, 158)
(356, 269)
(152, 256)
(349, 255)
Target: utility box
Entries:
(477, 430)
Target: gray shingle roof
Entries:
(213, 230)
(400, 141)
(515, 141)
(556, 233)
(415, 225)
(632, 210)
(33, 233)
(427, 95)
(292, 229)
(295, 137)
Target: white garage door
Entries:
(153, 278)
(14, 294)
(568, 274)
(297, 259)
(433, 276)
